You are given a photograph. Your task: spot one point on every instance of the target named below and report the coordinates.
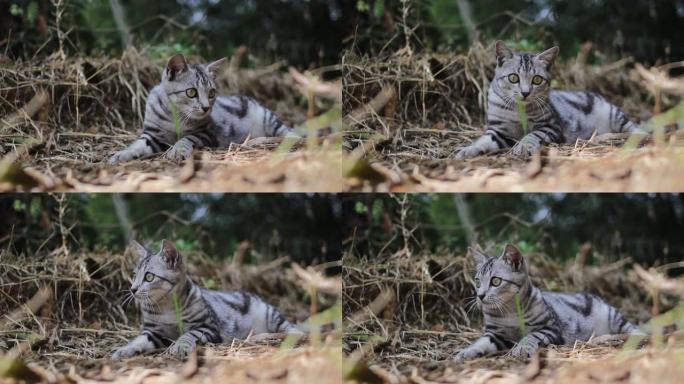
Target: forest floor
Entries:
(80, 167)
(409, 113)
(63, 317)
(62, 118)
(415, 338)
(421, 163)
(428, 359)
(81, 356)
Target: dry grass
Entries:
(64, 117)
(406, 316)
(438, 106)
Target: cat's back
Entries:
(237, 117)
(583, 112)
(579, 314)
(234, 311)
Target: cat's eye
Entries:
(537, 80)
(191, 92)
(496, 281)
(149, 277)
(513, 78)
(212, 93)
(477, 283)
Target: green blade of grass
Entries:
(521, 113)
(179, 312)
(521, 316)
(176, 120)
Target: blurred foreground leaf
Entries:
(15, 368)
(11, 172)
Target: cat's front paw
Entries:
(466, 354)
(120, 157)
(467, 153)
(182, 347)
(123, 353)
(525, 147)
(523, 350)
(179, 152)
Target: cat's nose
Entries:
(481, 296)
(525, 94)
(205, 109)
(134, 290)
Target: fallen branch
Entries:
(659, 282)
(29, 308)
(375, 307)
(324, 89)
(27, 112)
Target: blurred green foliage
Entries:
(644, 227)
(646, 29)
(302, 226)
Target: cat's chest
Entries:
(510, 121)
(164, 322)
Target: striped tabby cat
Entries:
(552, 116)
(191, 90)
(169, 301)
(549, 317)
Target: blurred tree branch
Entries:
(120, 20)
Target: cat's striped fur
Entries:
(201, 118)
(552, 116)
(168, 299)
(549, 317)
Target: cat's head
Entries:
(498, 279)
(157, 274)
(191, 87)
(522, 74)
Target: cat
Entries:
(169, 301)
(549, 317)
(552, 116)
(201, 117)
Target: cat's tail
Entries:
(619, 323)
(277, 323)
(620, 123)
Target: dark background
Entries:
(304, 227)
(302, 32)
(645, 227)
(648, 30)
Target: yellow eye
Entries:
(191, 92)
(212, 93)
(537, 80)
(513, 78)
(149, 277)
(496, 281)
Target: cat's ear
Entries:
(479, 257)
(503, 53)
(214, 66)
(548, 56)
(176, 65)
(513, 257)
(139, 249)
(169, 254)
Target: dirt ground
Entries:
(584, 167)
(81, 356)
(240, 168)
(580, 364)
